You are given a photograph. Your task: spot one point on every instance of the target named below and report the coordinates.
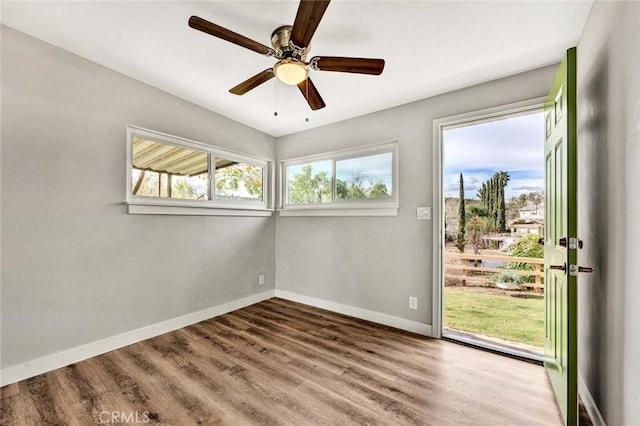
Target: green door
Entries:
(560, 243)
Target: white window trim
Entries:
(212, 207)
(371, 207)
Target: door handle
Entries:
(562, 267)
(574, 269)
(562, 242)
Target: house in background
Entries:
(530, 221)
(532, 211)
(532, 226)
(81, 276)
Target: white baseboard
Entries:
(590, 404)
(51, 362)
(37, 366)
(373, 316)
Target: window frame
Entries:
(213, 206)
(387, 206)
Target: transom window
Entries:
(356, 179)
(166, 170)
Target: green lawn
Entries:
(510, 318)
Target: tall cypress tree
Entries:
(491, 207)
(492, 198)
(502, 207)
(500, 211)
(462, 220)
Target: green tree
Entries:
(525, 246)
(492, 198)
(503, 180)
(378, 190)
(514, 205)
(342, 190)
(462, 219)
(180, 188)
(477, 210)
(229, 180)
(309, 188)
(522, 200)
(187, 187)
(536, 198)
(355, 188)
(476, 228)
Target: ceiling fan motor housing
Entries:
(284, 49)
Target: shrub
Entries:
(509, 278)
(525, 246)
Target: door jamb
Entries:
(439, 124)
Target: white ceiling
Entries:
(430, 48)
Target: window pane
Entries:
(309, 183)
(237, 181)
(168, 171)
(365, 177)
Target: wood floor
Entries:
(279, 362)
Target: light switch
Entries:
(424, 213)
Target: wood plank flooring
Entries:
(283, 363)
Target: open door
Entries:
(561, 243)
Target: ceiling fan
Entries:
(291, 45)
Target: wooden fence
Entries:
(463, 267)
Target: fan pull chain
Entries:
(275, 97)
(307, 88)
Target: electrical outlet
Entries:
(260, 279)
(413, 302)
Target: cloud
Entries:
(517, 143)
(514, 145)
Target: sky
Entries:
(514, 145)
(376, 168)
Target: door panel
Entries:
(561, 216)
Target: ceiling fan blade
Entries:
(228, 35)
(307, 19)
(353, 65)
(253, 82)
(311, 94)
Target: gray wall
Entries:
(376, 263)
(609, 206)
(75, 266)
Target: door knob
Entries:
(562, 267)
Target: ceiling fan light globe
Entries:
(290, 72)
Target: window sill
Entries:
(144, 208)
(376, 211)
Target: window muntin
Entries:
(165, 170)
(309, 183)
(367, 177)
(358, 178)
